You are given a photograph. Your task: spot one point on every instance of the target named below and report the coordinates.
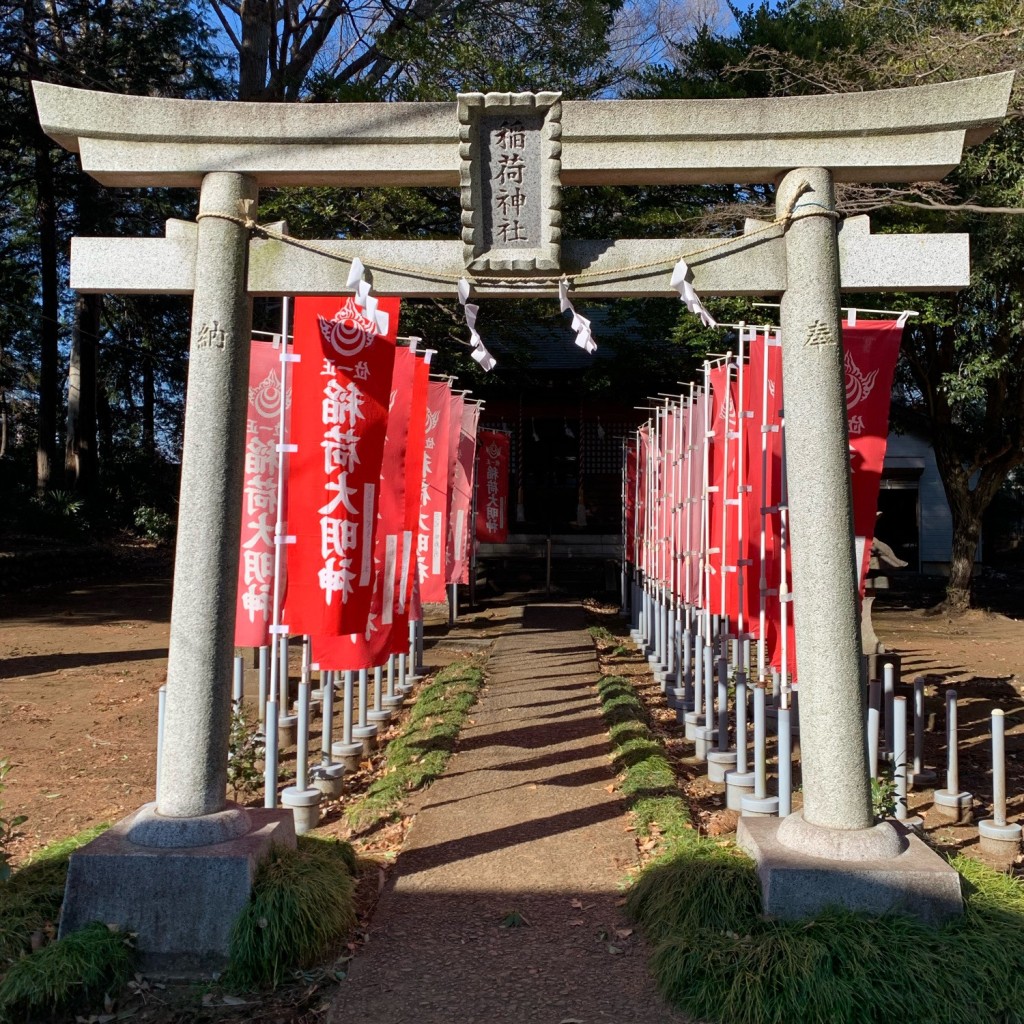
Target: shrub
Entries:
(76, 971)
(301, 905)
(153, 524)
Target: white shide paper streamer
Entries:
(480, 354)
(681, 282)
(580, 324)
(363, 299)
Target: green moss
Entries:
(419, 755)
(646, 777)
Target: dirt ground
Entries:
(80, 670)
(80, 667)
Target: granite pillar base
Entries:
(180, 902)
(796, 883)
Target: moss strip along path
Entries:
(504, 904)
(418, 756)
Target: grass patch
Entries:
(76, 971)
(301, 905)
(418, 756)
(30, 899)
(646, 777)
(603, 635)
(719, 960)
(716, 958)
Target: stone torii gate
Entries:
(505, 152)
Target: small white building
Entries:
(914, 517)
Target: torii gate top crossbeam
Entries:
(914, 134)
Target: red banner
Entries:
(722, 509)
(695, 477)
(462, 496)
(344, 375)
(372, 646)
(458, 405)
(259, 497)
(642, 551)
(870, 353)
(664, 492)
(629, 502)
(763, 474)
(492, 477)
(872, 348)
(431, 542)
(408, 597)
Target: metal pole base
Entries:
(328, 778)
(305, 807)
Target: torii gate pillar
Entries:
(829, 852)
(836, 790)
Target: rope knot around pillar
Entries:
(801, 211)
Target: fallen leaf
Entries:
(576, 904)
(576, 922)
(623, 933)
(234, 1001)
(610, 788)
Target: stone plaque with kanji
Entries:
(510, 147)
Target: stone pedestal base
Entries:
(329, 779)
(720, 762)
(922, 779)
(305, 806)
(692, 721)
(379, 717)
(287, 732)
(755, 807)
(796, 884)
(953, 807)
(704, 741)
(737, 786)
(1000, 840)
(180, 902)
(349, 754)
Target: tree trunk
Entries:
(966, 535)
(46, 222)
(254, 58)
(3, 423)
(148, 406)
(104, 426)
(80, 450)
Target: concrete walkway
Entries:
(521, 823)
